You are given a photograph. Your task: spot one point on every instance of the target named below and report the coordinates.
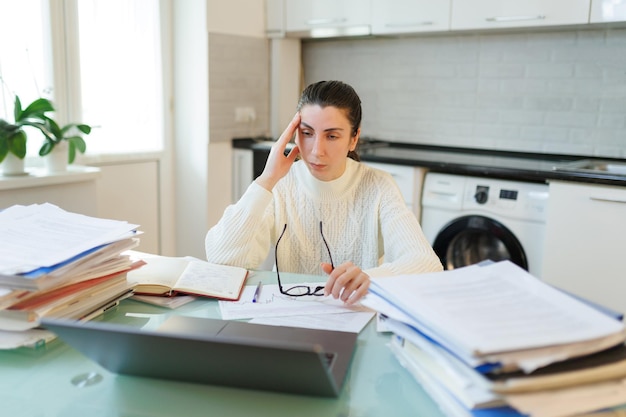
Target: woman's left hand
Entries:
(346, 282)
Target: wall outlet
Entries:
(245, 114)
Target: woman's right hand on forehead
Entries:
(278, 164)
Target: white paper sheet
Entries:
(352, 322)
(45, 235)
(27, 338)
(274, 304)
(494, 308)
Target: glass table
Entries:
(49, 381)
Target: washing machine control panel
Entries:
(486, 196)
(482, 194)
(509, 198)
(508, 194)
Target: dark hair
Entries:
(336, 94)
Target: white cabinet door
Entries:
(607, 11)
(491, 14)
(130, 191)
(322, 18)
(274, 18)
(407, 16)
(585, 242)
(243, 175)
(409, 180)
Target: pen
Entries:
(257, 292)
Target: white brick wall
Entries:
(547, 92)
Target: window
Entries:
(107, 58)
(120, 66)
(25, 68)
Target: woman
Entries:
(326, 213)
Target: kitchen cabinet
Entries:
(130, 191)
(409, 179)
(585, 241)
(275, 18)
(491, 14)
(408, 16)
(327, 18)
(607, 11)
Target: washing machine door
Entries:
(471, 239)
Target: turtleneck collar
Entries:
(327, 189)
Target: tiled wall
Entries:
(238, 77)
(538, 91)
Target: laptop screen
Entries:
(218, 352)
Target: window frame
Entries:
(64, 57)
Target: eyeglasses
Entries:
(300, 290)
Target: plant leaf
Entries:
(46, 148)
(78, 142)
(37, 109)
(86, 129)
(72, 153)
(17, 109)
(54, 128)
(4, 149)
(7, 129)
(17, 144)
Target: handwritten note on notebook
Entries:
(163, 275)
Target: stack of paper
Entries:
(59, 264)
(492, 340)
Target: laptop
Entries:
(218, 352)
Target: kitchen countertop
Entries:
(519, 166)
(487, 163)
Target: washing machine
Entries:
(471, 219)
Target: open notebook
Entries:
(218, 352)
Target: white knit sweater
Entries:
(364, 217)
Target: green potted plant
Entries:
(59, 137)
(12, 135)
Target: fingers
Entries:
(281, 143)
(293, 154)
(346, 282)
(277, 164)
(289, 131)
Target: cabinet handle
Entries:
(515, 18)
(608, 200)
(408, 24)
(331, 21)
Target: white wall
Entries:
(191, 124)
(538, 91)
(285, 82)
(221, 62)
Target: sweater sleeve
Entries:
(242, 235)
(405, 247)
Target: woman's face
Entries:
(324, 139)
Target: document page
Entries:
(44, 235)
(494, 308)
(274, 304)
(352, 322)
